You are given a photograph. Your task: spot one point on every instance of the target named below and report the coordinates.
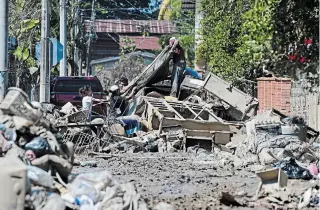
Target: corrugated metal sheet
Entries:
(144, 43)
(132, 26)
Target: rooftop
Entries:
(131, 26)
(144, 43)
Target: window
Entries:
(75, 85)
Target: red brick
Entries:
(274, 93)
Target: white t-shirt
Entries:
(87, 103)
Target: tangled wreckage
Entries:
(39, 141)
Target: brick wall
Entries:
(274, 93)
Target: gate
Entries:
(304, 104)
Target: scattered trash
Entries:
(305, 201)
(54, 202)
(163, 206)
(293, 170)
(313, 169)
(90, 184)
(210, 117)
(88, 163)
(39, 146)
(39, 177)
(229, 200)
(273, 178)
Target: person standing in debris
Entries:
(87, 100)
(179, 64)
(118, 103)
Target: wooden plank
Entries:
(170, 108)
(195, 114)
(79, 125)
(196, 124)
(222, 138)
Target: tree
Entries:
(247, 38)
(24, 24)
(123, 9)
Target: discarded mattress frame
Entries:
(199, 124)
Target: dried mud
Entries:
(184, 180)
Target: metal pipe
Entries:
(3, 48)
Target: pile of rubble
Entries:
(39, 142)
(37, 161)
(210, 115)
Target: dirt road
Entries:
(181, 179)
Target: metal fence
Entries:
(305, 104)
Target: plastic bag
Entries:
(85, 203)
(2, 127)
(294, 120)
(39, 146)
(54, 202)
(40, 177)
(90, 185)
(10, 135)
(293, 170)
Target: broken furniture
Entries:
(199, 125)
(239, 105)
(272, 179)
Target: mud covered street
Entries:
(184, 180)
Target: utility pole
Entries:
(81, 51)
(199, 63)
(63, 37)
(3, 48)
(93, 15)
(318, 104)
(44, 57)
(76, 33)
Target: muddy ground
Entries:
(187, 181)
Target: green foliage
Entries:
(98, 68)
(128, 46)
(239, 36)
(21, 53)
(255, 41)
(24, 24)
(220, 29)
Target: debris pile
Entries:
(213, 115)
(209, 115)
(36, 163)
(39, 143)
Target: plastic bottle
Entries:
(39, 177)
(90, 185)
